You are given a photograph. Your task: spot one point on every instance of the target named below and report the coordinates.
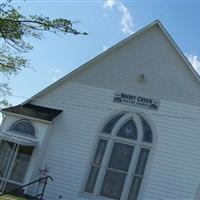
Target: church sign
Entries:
(135, 100)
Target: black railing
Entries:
(42, 182)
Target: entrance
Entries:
(14, 162)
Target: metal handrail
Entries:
(40, 195)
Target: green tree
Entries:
(15, 30)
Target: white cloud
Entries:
(195, 61)
(126, 21)
(109, 4)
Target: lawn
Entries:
(10, 197)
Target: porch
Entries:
(15, 158)
(23, 137)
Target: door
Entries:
(8, 152)
(21, 164)
(14, 162)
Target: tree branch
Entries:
(9, 66)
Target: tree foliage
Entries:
(15, 31)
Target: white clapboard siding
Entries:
(175, 171)
(149, 53)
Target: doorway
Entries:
(14, 162)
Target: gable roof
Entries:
(110, 50)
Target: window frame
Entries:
(22, 134)
(111, 139)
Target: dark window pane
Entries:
(112, 184)
(6, 149)
(147, 133)
(135, 187)
(128, 130)
(20, 167)
(142, 160)
(23, 127)
(110, 125)
(91, 181)
(121, 156)
(100, 152)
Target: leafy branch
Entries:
(15, 31)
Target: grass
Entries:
(11, 197)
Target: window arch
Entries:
(118, 164)
(24, 127)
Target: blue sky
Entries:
(107, 22)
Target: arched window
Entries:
(24, 127)
(119, 161)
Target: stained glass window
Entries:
(138, 176)
(147, 132)
(114, 180)
(95, 166)
(100, 152)
(135, 187)
(141, 164)
(116, 155)
(92, 179)
(128, 130)
(109, 126)
(113, 184)
(23, 126)
(121, 156)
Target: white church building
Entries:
(123, 126)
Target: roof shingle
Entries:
(34, 111)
